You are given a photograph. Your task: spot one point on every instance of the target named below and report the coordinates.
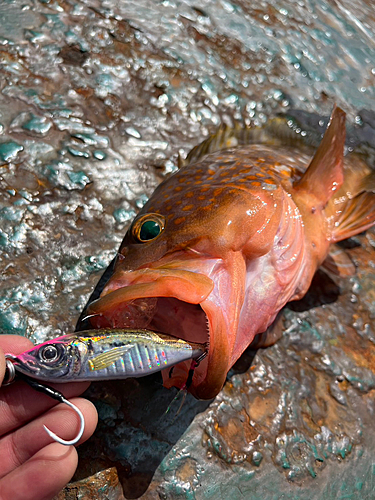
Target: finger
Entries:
(2, 366)
(41, 477)
(20, 445)
(15, 344)
(19, 403)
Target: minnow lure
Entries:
(104, 354)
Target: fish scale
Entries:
(220, 174)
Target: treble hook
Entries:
(49, 391)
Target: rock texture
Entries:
(97, 99)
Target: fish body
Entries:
(104, 355)
(228, 240)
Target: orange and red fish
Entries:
(223, 244)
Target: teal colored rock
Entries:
(38, 125)
(9, 150)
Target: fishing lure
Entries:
(95, 355)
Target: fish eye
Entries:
(148, 227)
(50, 353)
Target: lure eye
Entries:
(50, 353)
(148, 227)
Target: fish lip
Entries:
(188, 287)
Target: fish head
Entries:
(181, 270)
(49, 361)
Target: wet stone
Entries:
(97, 101)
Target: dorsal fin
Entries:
(325, 172)
(275, 132)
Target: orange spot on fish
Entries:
(187, 208)
(179, 220)
(190, 194)
(218, 191)
(201, 198)
(204, 189)
(256, 183)
(178, 188)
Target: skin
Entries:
(26, 450)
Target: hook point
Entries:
(75, 440)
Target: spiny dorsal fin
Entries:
(275, 132)
(325, 172)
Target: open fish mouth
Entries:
(170, 301)
(162, 314)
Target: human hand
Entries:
(32, 465)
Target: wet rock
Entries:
(103, 485)
(97, 99)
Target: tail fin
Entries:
(352, 209)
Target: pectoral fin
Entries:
(338, 262)
(106, 359)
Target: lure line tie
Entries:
(10, 371)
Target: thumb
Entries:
(2, 366)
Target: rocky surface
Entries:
(97, 99)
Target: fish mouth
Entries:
(175, 302)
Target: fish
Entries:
(104, 354)
(232, 236)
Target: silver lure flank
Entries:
(105, 354)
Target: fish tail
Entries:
(353, 207)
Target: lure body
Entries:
(104, 355)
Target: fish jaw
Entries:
(195, 306)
